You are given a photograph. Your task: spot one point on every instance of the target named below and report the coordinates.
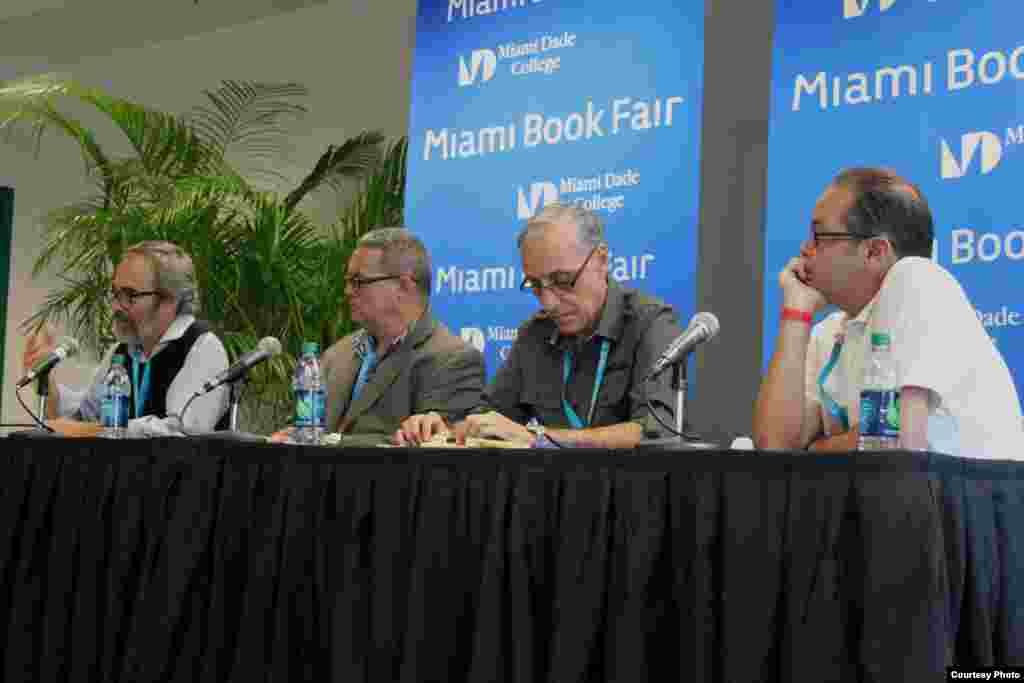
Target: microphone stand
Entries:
(680, 384)
(43, 390)
(679, 441)
(237, 387)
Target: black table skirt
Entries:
(181, 560)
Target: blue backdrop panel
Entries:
(934, 90)
(516, 103)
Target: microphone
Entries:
(268, 347)
(67, 347)
(703, 326)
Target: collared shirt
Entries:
(362, 345)
(939, 344)
(205, 359)
(638, 328)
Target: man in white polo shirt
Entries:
(868, 254)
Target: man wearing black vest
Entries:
(169, 353)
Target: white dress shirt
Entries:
(938, 343)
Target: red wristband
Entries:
(797, 314)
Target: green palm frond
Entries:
(164, 144)
(247, 120)
(76, 239)
(31, 105)
(381, 202)
(82, 306)
(352, 159)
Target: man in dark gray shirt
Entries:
(577, 367)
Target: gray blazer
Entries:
(431, 370)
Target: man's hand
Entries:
(68, 427)
(492, 425)
(419, 428)
(845, 441)
(37, 346)
(796, 293)
(283, 436)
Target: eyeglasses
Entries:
(559, 281)
(127, 296)
(816, 238)
(357, 282)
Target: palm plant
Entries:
(263, 266)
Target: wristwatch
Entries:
(537, 429)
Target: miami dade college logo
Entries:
(482, 64)
(991, 154)
(473, 336)
(855, 8)
(539, 195)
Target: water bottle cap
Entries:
(117, 359)
(311, 347)
(881, 339)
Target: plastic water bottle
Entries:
(879, 399)
(117, 389)
(310, 397)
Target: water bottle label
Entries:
(320, 402)
(889, 418)
(880, 413)
(106, 413)
(303, 408)
(114, 411)
(309, 408)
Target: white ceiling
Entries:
(22, 8)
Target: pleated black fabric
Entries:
(179, 560)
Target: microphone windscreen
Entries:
(270, 345)
(69, 344)
(710, 320)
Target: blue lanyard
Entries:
(139, 391)
(835, 410)
(369, 354)
(573, 418)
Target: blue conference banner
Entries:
(933, 89)
(518, 103)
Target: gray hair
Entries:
(173, 272)
(589, 229)
(403, 253)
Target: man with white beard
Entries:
(168, 353)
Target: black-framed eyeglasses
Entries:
(357, 282)
(560, 281)
(127, 296)
(816, 238)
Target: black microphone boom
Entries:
(703, 326)
(268, 347)
(67, 347)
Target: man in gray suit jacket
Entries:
(403, 361)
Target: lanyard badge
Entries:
(574, 420)
(835, 410)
